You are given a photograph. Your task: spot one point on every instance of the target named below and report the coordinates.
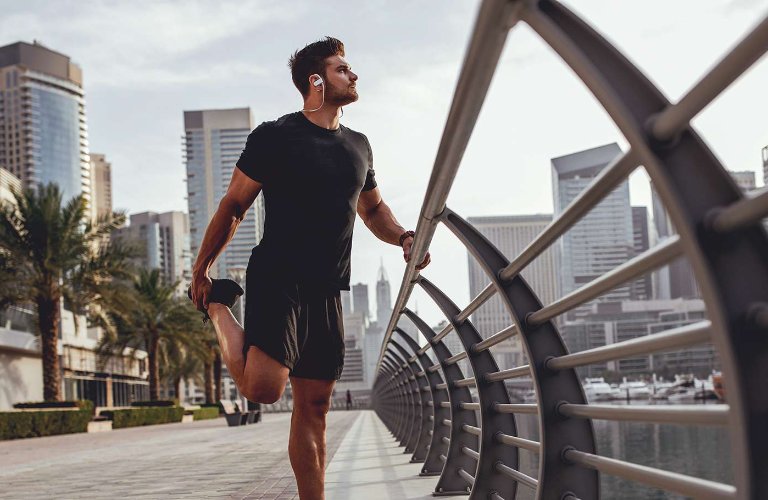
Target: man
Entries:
(314, 174)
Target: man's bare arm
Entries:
(241, 193)
(378, 217)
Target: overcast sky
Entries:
(144, 63)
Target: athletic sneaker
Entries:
(224, 291)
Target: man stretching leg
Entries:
(315, 174)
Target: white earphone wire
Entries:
(321, 103)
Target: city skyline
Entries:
(148, 76)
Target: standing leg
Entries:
(257, 375)
(306, 448)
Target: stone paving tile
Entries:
(203, 459)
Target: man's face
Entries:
(340, 81)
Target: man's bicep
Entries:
(368, 200)
(242, 190)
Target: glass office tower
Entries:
(43, 131)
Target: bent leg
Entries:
(258, 376)
(306, 448)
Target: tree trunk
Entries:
(177, 389)
(48, 314)
(217, 377)
(154, 366)
(208, 368)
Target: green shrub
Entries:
(206, 413)
(134, 417)
(24, 424)
(158, 402)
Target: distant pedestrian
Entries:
(349, 399)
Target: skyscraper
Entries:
(101, 185)
(360, 302)
(675, 280)
(511, 234)
(164, 243)
(213, 141)
(43, 132)
(642, 287)
(603, 239)
(383, 298)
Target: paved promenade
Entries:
(207, 459)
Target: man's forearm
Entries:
(382, 223)
(219, 232)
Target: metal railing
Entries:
(463, 427)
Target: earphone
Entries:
(317, 83)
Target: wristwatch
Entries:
(405, 235)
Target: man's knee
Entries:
(263, 393)
(316, 407)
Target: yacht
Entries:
(596, 389)
(632, 390)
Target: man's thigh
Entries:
(267, 375)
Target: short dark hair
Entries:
(311, 60)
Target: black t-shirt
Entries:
(311, 180)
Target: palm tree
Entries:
(50, 251)
(179, 363)
(152, 317)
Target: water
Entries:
(698, 451)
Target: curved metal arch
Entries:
(556, 477)
(488, 480)
(431, 453)
(732, 272)
(421, 416)
(450, 481)
(407, 406)
(398, 397)
(413, 400)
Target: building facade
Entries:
(163, 240)
(383, 298)
(612, 322)
(43, 131)
(603, 239)
(101, 186)
(213, 141)
(511, 234)
(642, 288)
(360, 303)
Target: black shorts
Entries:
(297, 325)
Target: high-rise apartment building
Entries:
(43, 131)
(511, 234)
(360, 302)
(383, 298)
(213, 141)
(101, 185)
(164, 243)
(603, 239)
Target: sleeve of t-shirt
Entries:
(370, 176)
(257, 159)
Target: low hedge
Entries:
(28, 423)
(157, 402)
(135, 417)
(205, 413)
